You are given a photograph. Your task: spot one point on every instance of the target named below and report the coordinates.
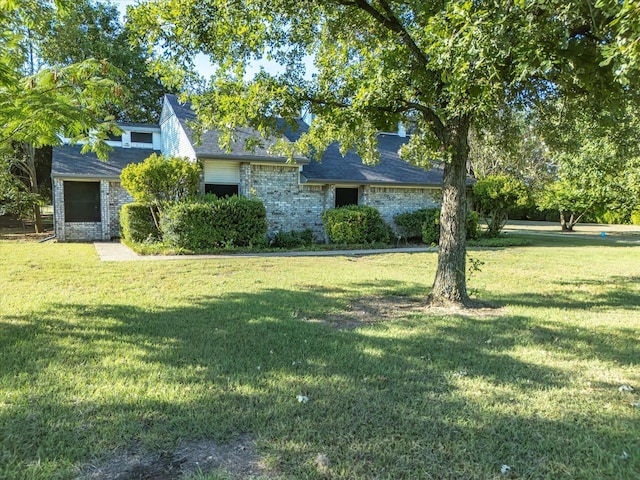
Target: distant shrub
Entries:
(210, 222)
(611, 217)
(635, 217)
(355, 225)
(497, 197)
(136, 223)
(293, 238)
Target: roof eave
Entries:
(76, 176)
(256, 159)
(374, 183)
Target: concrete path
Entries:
(119, 252)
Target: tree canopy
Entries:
(40, 105)
(439, 67)
(93, 30)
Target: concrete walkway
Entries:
(119, 252)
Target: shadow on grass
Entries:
(82, 381)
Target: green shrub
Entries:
(431, 226)
(161, 179)
(210, 222)
(497, 197)
(293, 238)
(613, 217)
(136, 223)
(355, 225)
(410, 224)
(424, 225)
(473, 225)
(635, 217)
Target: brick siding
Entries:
(289, 204)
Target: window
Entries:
(139, 137)
(221, 191)
(221, 177)
(82, 201)
(112, 137)
(346, 196)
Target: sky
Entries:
(203, 66)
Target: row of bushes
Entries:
(209, 223)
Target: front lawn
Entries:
(319, 367)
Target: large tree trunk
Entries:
(450, 285)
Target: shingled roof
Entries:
(68, 162)
(333, 167)
(208, 145)
(350, 169)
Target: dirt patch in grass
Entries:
(236, 460)
(375, 309)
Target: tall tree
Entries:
(441, 66)
(90, 29)
(36, 109)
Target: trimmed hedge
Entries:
(136, 223)
(410, 224)
(424, 225)
(211, 222)
(355, 225)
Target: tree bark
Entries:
(450, 286)
(29, 152)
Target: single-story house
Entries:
(87, 194)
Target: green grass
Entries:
(97, 359)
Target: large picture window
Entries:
(346, 196)
(82, 201)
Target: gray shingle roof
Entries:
(209, 142)
(68, 162)
(333, 167)
(391, 170)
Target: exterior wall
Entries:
(58, 209)
(118, 196)
(289, 205)
(112, 197)
(392, 201)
